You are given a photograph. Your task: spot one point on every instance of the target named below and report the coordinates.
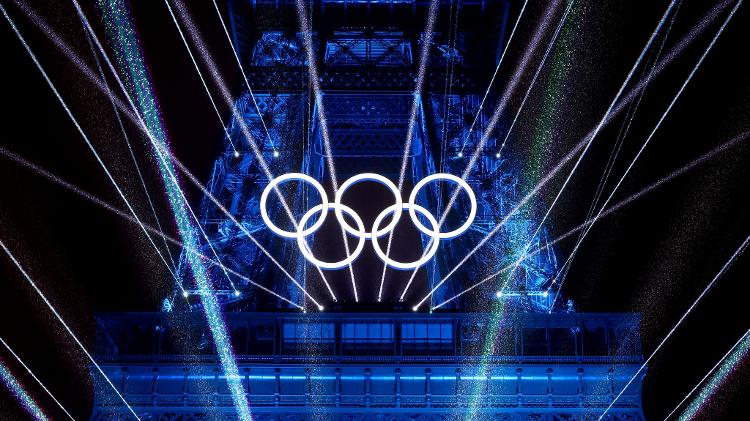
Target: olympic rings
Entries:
(287, 177)
(464, 185)
(427, 256)
(305, 249)
(360, 232)
(371, 177)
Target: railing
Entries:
(264, 337)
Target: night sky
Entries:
(653, 256)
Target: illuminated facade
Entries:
(374, 359)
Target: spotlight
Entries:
(460, 154)
(414, 308)
(321, 308)
(545, 293)
(275, 154)
(236, 154)
(497, 155)
(236, 293)
(185, 294)
(499, 294)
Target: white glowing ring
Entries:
(434, 234)
(287, 177)
(305, 249)
(368, 177)
(464, 185)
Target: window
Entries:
(427, 338)
(375, 338)
(306, 337)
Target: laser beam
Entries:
(534, 78)
(454, 195)
(239, 118)
(22, 396)
(125, 137)
(93, 199)
(515, 78)
(33, 376)
(651, 135)
(497, 68)
(57, 315)
(424, 59)
(244, 76)
(615, 152)
(203, 80)
(728, 363)
(120, 25)
(684, 42)
(708, 287)
(585, 144)
(221, 120)
(138, 121)
(314, 78)
(648, 189)
(89, 144)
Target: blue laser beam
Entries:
(22, 396)
(726, 365)
(126, 138)
(122, 28)
(33, 376)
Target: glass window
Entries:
(373, 337)
(299, 337)
(427, 338)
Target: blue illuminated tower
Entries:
(375, 359)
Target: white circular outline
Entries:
(395, 209)
(368, 177)
(287, 177)
(305, 248)
(464, 185)
(418, 263)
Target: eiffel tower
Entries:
(369, 355)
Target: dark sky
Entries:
(654, 256)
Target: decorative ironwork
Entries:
(385, 366)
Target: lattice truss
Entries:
(495, 182)
(237, 183)
(362, 48)
(366, 124)
(274, 48)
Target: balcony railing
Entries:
(379, 338)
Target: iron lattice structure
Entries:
(547, 363)
(367, 131)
